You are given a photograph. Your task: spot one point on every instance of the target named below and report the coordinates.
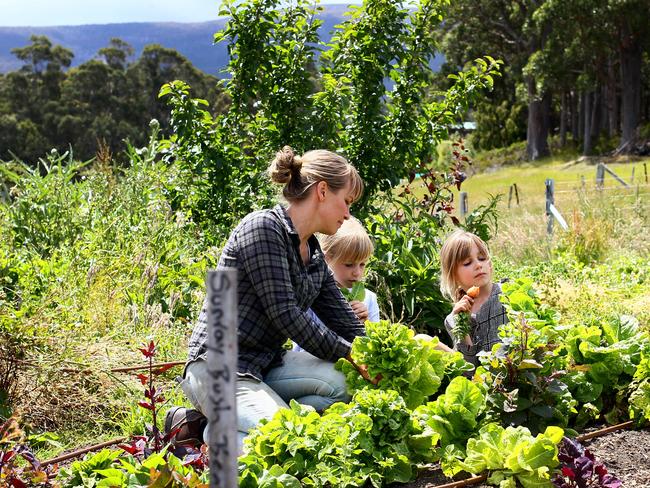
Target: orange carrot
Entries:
(473, 291)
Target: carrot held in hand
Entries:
(463, 325)
(473, 291)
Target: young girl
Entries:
(465, 263)
(347, 253)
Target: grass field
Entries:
(622, 213)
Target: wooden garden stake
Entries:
(463, 203)
(222, 368)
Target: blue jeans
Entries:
(302, 377)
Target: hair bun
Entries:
(285, 165)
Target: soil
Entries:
(626, 455)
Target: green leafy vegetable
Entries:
(356, 293)
(412, 368)
(513, 453)
(462, 326)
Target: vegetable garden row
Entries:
(514, 419)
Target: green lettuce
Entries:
(512, 453)
(412, 368)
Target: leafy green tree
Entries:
(366, 97)
(116, 54)
(103, 102)
(506, 30)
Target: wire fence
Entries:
(615, 189)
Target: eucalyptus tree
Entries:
(574, 65)
(507, 30)
(630, 19)
(31, 94)
(117, 54)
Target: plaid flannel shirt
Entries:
(485, 326)
(275, 290)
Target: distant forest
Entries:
(577, 70)
(94, 106)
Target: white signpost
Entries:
(222, 367)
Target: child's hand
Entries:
(360, 310)
(463, 305)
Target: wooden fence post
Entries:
(615, 176)
(583, 183)
(645, 172)
(632, 177)
(516, 193)
(600, 175)
(513, 191)
(222, 368)
(463, 203)
(550, 199)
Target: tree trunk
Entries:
(586, 116)
(612, 100)
(539, 110)
(575, 108)
(595, 119)
(631, 57)
(563, 118)
(581, 116)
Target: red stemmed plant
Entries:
(153, 397)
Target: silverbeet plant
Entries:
(580, 469)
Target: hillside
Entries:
(193, 40)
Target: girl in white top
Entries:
(347, 252)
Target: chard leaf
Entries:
(356, 293)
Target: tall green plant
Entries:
(367, 97)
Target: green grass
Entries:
(568, 179)
(85, 280)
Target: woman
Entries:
(281, 274)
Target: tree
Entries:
(630, 18)
(367, 98)
(505, 30)
(116, 54)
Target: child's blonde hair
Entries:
(350, 244)
(455, 250)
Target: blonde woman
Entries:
(282, 273)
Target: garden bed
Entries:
(625, 453)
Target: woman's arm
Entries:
(335, 311)
(263, 255)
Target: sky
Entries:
(14, 13)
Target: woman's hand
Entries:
(363, 371)
(360, 310)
